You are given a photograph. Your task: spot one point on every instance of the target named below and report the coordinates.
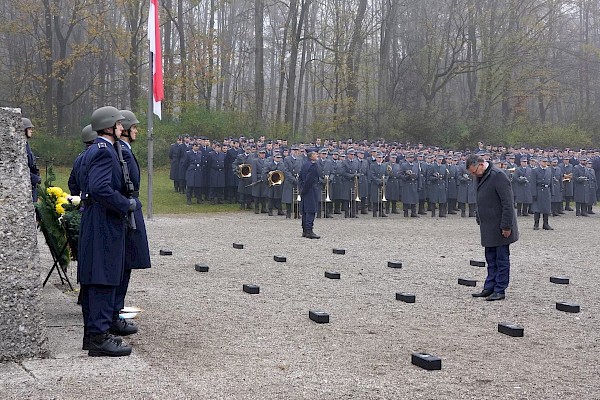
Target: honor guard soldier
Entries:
(183, 149)
(452, 184)
(522, 182)
(291, 168)
(557, 188)
(87, 137)
(349, 173)
(137, 254)
(325, 166)
(174, 163)
(467, 191)
(337, 185)
(101, 252)
(392, 187)
(193, 173)
(377, 178)
(216, 175)
(423, 186)
(259, 182)
(310, 190)
(242, 168)
(409, 172)
(581, 185)
(592, 188)
(363, 182)
(567, 178)
(231, 178)
(34, 171)
(543, 195)
(437, 176)
(274, 189)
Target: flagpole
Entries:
(150, 132)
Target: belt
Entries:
(543, 185)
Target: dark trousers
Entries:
(498, 262)
(97, 305)
(121, 292)
(193, 191)
(308, 221)
(216, 193)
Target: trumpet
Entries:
(244, 170)
(327, 199)
(275, 178)
(357, 199)
(383, 199)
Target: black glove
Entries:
(132, 205)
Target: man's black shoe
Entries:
(547, 228)
(311, 235)
(122, 327)
(483, 293)
(104, 345)
(86, 341)
(495, 296)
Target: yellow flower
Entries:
(59, 209)
(56, 191)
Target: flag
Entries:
(156, 54)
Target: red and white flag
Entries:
(156, 54)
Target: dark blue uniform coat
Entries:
(216, 166)
(193, 169)
(310, 187)
(102, 234)
(73, 183)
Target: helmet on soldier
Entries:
(26, 123)
(88, 134)
(105, 117)
(129, 120)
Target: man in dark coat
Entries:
(101, 251)
(193, 174)
(87, 136)
(244, 189)
(567, 178)
(174, 161)
(497, 224)
(410, 175)
(377, 175)
(581, 185)
(137, 254)
(34, 172)
(183, 149)
(522, 181)
(216, 174)
(542, 199)
(310, 190)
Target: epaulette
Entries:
(101, 145)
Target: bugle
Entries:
(275, 178)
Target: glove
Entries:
(132, 205)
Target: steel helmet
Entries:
(88, 134)
(26, 123)
(130, 119)
(105, 117)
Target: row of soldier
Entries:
(353, 183)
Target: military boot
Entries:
(519, 209)
(546, 225)
(433, 211)
(589, 211)
(536, 221)
(122, 327)
(463, 213)
(471, 210)
(406, 213)
(311, 235)
(105, 345)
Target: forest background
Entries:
(444, 72)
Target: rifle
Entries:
(129, 188)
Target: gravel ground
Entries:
(201, 336)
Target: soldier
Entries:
(522, 181)
(275, 190)
(101, 251)
(310, 191)
(349, 174)
(193, 173)
(244, 181)
(337, 181)
(216, 174)
(452, 192)
(423, 186)
(467, 191)
(174, 161)
(205, 150)
(581, 185)
(377, 176)
(259, 182)
(557, 188)
(325, 166)
(34, 171)
(592, 188)
(409, 172)
(392, 187)
(183, 149)
(137, 254)
(363, 182)
(231, 179)
(291, 168)
(567, 178)
(87, 137)
(542, 176)
(437, 176)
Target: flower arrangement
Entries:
(59, 217)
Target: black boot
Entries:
(337, 208)
(304, 232)
(288, 212)
(451, 206)
(536, 221)
(421, 207)
(413, 211)
(374, 208)
(406, 213)
(87, 337)
(256, 210)
(442, 212)
(189, 201)
(589, 211)
(122, 327)
(311, 235)
(471, 210)
(104, 345)
(546, 225)
(463, 214)
(519, 209)
(568, 205)
(395, 208)
(526, 210)
(363, 207)
(432, 210)
(387, 207)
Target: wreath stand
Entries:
(56, 254)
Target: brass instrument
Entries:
(327, 199)
(357, 199)
(389, 169)
(244, 170)
(568, 177)
(296, 199)
(275, 178)
(511, 169)
(383, 199)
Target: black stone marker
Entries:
(319, 317)
(165, 252)
(427, 361)
(561, 280)
(252, 289)
(395, 264)
(476, 263)
(467, 282)
(201, 267)
(339, 251)
(279, 258)
(238, 246)
(568, 307)
(332, 275)
(510, 329)
(405, 297)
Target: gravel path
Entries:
(201, 336)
